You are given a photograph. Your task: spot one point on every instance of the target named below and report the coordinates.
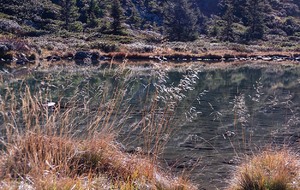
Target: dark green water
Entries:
(221, 114)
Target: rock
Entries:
(3, 49)
(68, 56)
(32, 57)
(7, 57)
(228, 134)
(20, 62)
(211, 57)
(11, 26)
(229, 57)
(21, 59)
(56, 58)
(80, 55)
(53, 58)
(49, 58)
(267, 58)
(50, 105)
(133, 150)
(95, 56)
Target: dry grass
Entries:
(269, 170)
(58, 148)
(48, 161)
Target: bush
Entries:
(241, 48)
(277, 31)
(76, 27)
(36, 33)
(51, 27)
(10, 26)
(105, 46)
(140, 48)
(294, 38)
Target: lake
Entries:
(206, 116)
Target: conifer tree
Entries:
(117, 15)
(82, 10)
(255, 19)
(93, 12)
(228, 33)
(69, 12)
(239, 9)
(135, 17)
(180, 21)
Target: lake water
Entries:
(221, 113)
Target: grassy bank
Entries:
(55, 48)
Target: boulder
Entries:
(3, 49)
(68, 56)
(6, 58)
(211, 57)
(95, 56)
(10, 26)
(31, 57)
(80, 55)
(229, 57)
(21, 59)
(20, 62)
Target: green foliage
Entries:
(117, 15)
(105, 47)
(255, 17)
(69, 14)
(180, 21)
(93, 13)
(227, 33)
(135, 18)
(76, 26)
(291, 26)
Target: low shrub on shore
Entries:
(269, 170)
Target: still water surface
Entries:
(221, 113)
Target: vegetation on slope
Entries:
(241, 21)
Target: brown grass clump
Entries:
(42, 149)
(48, 161)
(270, 170)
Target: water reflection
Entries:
(221, 114)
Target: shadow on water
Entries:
(223, 115)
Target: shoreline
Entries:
(23, 51)
(95, 57)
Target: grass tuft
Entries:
(42, 149)
(269, 170)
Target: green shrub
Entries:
(76, 27)
(105, 46)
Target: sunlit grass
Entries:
(269, 170)
(73, 147)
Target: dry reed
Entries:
(69, 146)
(269, 170)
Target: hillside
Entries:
(34, 18)
(156, 27)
